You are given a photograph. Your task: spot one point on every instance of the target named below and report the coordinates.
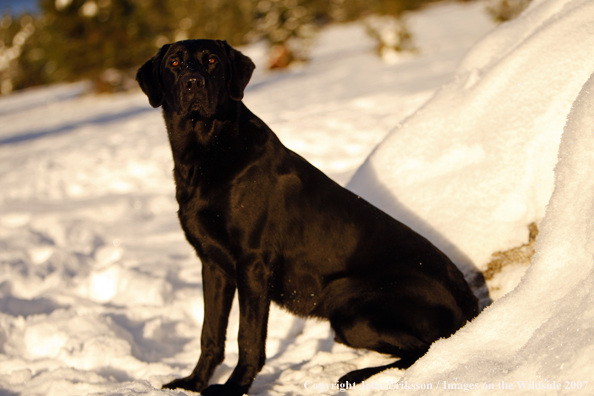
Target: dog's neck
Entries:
(208, 151)
(196, 132)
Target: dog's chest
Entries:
(203, 226)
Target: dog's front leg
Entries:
(218, 290)
(254, 305)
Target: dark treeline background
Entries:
(106, 40)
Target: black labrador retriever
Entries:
(269, 225)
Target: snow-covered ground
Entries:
(101, 294)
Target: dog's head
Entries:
(195, 77)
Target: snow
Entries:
(101, 294)
(502, 113)
(507, 114)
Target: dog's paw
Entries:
(228, 389)
(187, 383)
(351, 379)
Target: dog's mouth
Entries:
(197, 102)
(195, 95)
(201, 105)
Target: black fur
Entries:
(272, 227)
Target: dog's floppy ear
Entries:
(241, 70)
(149, 78)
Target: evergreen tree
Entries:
(84, 38)
(106, 40)
(287, 26)
(19, 67)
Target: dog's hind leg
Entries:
(362, 333)
(357, 376)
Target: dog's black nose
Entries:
(193, 81)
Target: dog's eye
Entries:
(175, 63)
(212, 60)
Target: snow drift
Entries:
(474, 166)
(487, 144)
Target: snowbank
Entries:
(540, 336)
(474, 167)
(487, 144)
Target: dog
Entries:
(268, 225)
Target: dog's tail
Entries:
(357, 376)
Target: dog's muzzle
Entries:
(193, 82)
